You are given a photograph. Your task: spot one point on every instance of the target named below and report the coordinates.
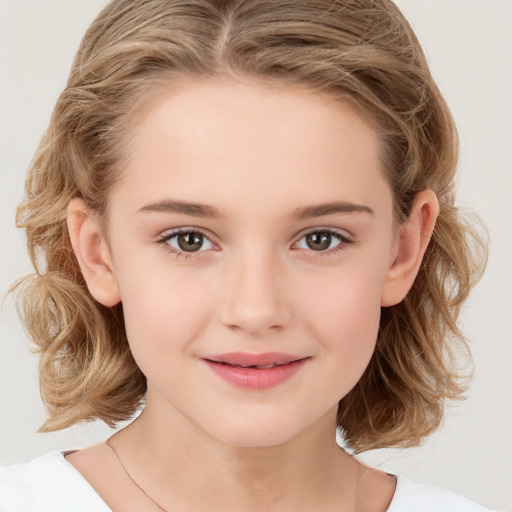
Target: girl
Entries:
(242, 220)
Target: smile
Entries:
(258, 366)
(255, 371)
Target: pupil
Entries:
(318, 241)
(190, 241)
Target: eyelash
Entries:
(344, 241)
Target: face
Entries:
(250, 239)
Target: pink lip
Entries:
(255, 371)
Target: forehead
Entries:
(234, 140)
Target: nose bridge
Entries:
(256, 295)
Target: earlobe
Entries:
(92, 252)
(413, 239)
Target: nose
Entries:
(256, 297)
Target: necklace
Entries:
(162, 509)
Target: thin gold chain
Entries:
(162, 509)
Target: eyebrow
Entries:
(207, 211)
(330, 209)
(183, 207)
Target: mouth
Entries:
(256, 366)
(255, 371)
(246, 360)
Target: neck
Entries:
(173, 459)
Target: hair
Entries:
(361, 51)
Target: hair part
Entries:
(363, 52)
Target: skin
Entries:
(256, 155)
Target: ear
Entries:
(413, 239)
(92, 252)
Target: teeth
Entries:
(256, 366)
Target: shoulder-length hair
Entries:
(361, 51)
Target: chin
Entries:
(257, 432)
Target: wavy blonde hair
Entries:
(362, 51)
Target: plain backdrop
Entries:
(469, 45)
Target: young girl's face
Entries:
(251, 227)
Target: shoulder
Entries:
(412, 497)
(47, 484)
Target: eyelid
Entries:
(336, 231)
(170, 233)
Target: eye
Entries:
(187, 241)
(323, 240)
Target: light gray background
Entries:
(469, 44)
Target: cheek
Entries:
(350, 324)
(344, 317)
(163, 315)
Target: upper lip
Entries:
(248, 359)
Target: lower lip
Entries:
(255, 378)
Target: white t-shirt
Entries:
(51, 484)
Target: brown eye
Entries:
(323, 241)
(319, 241)
(190, 242)
(187, 241)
